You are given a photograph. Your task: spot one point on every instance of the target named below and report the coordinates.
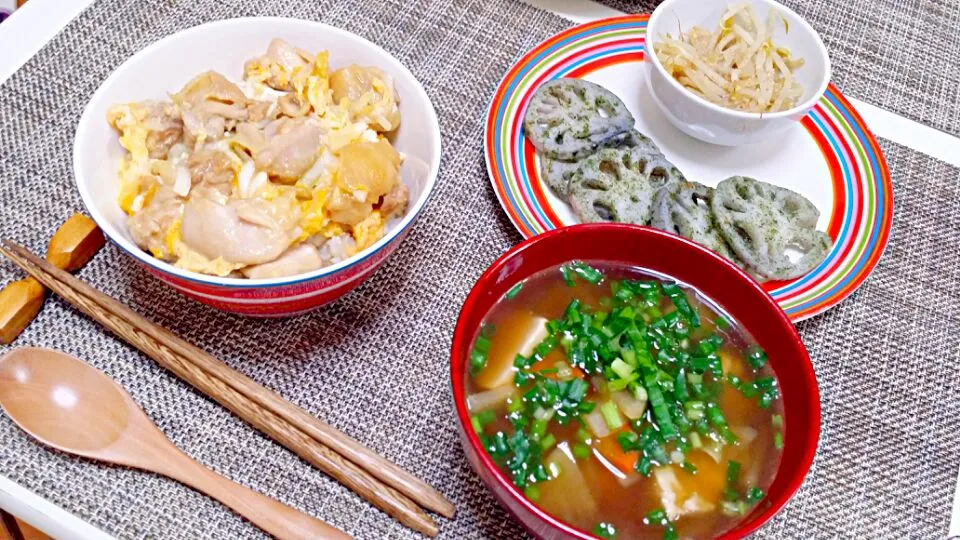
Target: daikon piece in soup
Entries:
(625, 404)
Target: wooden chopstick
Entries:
(293, 427)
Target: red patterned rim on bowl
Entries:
(862, 212)
(799, 386)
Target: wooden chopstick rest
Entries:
(72, 246)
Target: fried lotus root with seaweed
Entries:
(762, 223)
(557, 173)
(614, 185)
(568, 118)
(684, 208)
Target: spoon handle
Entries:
(274, 517)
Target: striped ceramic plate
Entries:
(831, 158)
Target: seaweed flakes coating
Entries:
(615, 184)
(568, 118)
(557, 173)
(761, 222)
(683, 208)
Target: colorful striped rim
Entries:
(860, 220)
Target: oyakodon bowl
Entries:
(718, 279)
(714, 123)
(164, 67)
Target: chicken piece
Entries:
(150, 226)
(291, 105)
(276, 67)
(368, 171)
(252, 231)
(299, 259)
(164, 127)
(250, 137)
(395, 202)
(212, 169)
(160, 122)
(369, 94)
(291, 148)
(258, 111)
(209, 105)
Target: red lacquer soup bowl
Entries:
(719, 280)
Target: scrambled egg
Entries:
(343, 123)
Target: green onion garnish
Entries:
(605, 530)
(514, 291)
(611, 415)
(778, 440)
(532, 492)
(586, 272)
(757, 358)
(547, 442)
(755, 495)
(733, 473)
(581, 451)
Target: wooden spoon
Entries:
(74, 407)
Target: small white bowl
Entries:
(164, 67)
(712, 123)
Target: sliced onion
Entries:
(630, 406)
(489, 399)
(597, 424)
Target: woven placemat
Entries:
(375, 364)
(901, 55)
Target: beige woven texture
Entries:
(375, 364)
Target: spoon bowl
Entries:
(62, 402)
(70, 405)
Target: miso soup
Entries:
(625, 404)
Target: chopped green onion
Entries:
(581, 451)
(588, 273)
(605, 530)
(478, 361)
(486, 417)
(656, 517)
(757, 358)
(733, 473)
(695, 410)
(755, 495)
(627, 440)
(768, 397)
(514, 405)
(538, 429)
(718, 421)
(722, 323)
(547, 442)
(611, 415)
(477, 426)
(778, 440)
(532, 492)
(583, 435)
(623, 369)
(689, 467)
(514, 291)
(567, 274)
(732, 508)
